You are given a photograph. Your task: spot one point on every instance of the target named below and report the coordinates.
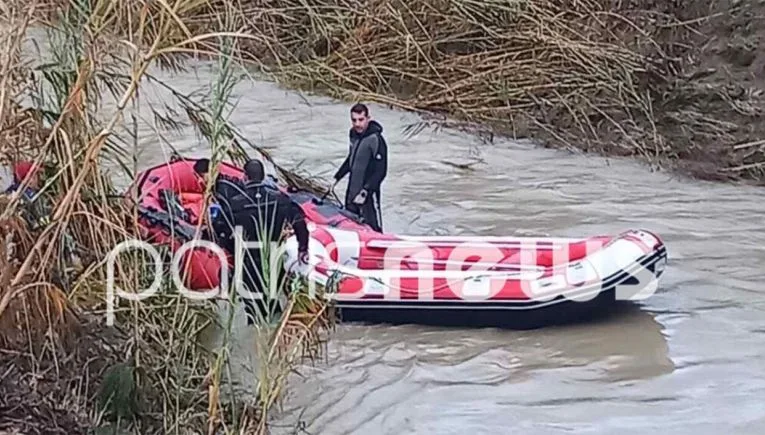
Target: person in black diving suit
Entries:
(261, 211)
(367, 164)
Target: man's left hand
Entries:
(361, 197)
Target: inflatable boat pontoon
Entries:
(520, 282)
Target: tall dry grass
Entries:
(63, 369)
(594, 75)
(628, 78)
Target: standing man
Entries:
(367, 163)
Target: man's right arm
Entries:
(366, 151)
(344, 169)
(296, 218)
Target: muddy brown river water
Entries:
(688, 360)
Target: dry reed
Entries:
(64, 371)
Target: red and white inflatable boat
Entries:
(521, 282)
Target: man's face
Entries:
(359, 121)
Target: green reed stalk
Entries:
(219, 138)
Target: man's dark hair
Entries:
(254, 170)
(360, 108)
(202, 166)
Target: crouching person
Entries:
(261, 213)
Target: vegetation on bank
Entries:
(64, 370)
(672, 83)
(627, 78)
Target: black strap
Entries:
(166, 222)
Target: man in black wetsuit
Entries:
(367, 164)
(261, 212)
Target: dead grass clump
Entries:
(50, 389)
